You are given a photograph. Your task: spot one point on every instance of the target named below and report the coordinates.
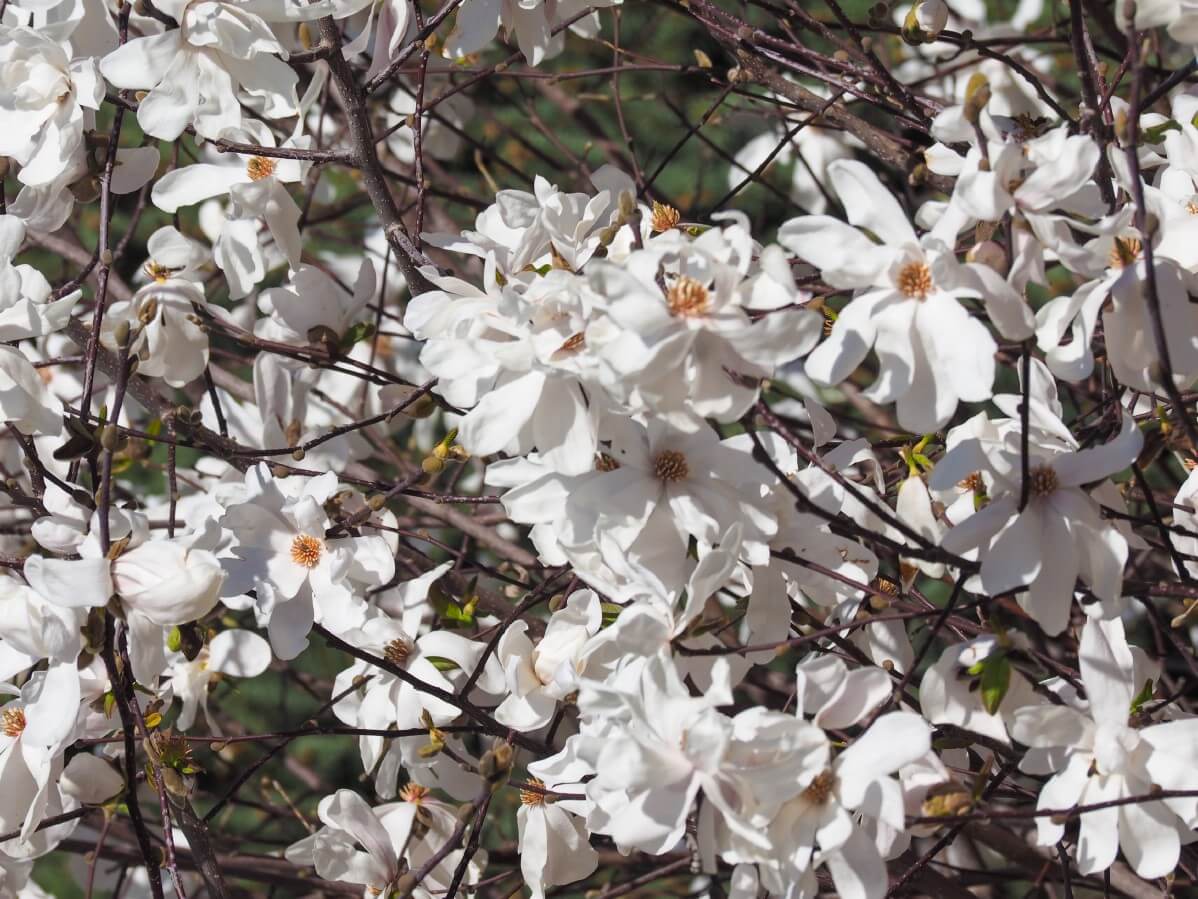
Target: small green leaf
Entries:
(443, 664)
(1156, 134)
(460, 614)
(359, 332)
(1142, 697)
(610, 612)
(996, 678)
(922, 461)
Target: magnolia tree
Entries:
(699, 448)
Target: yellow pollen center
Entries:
(664, 217)
(413, 793)
(687, 298)
(532, 797)
(397, 651)
(158, 272)
(573, 343)
(819, 791)
(670, 465)
(886, 585)
(13, 722)
(260, 167)
(973, 482)
(1124, 251)
(306, 550)
(915, 280)
(1192, 207)
(1043, 480)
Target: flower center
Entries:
(13, 722)
(260, 167)
(819, 791)
(664, 217)
(533, 797)
(687, 298)
(1192, 206)
(306, 550)
(1043, 480)
(604, 462)
(413, 793)
(670, 465)
(397, 651)
(1124, 251)
(886, 585)
(973, 482)
(573, 343)
(915, 280)
(158, 272)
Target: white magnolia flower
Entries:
(91, 780)
(26, 309)
(693, 318)
(546, 227)
(47, 100)
(170, 582)
(166, 335)
(1059, 534)
(1179, 18)
(1106, 750)
(313, 305)
(531, 22)
(661, 749)
(282, 553)
(375, 846)
(656, 487)
(1116, 289)
(388, 701)
(24, 401)
(554, 845)
(932, 353)
(234, 653)
(32, 628)
(518, 360)
(820, 826)
(256, 190)
(35, 730)
(196, 74)
(357, 843)
(950, 693)
(540, 675)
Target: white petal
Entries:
(238, 653)
(74, 583)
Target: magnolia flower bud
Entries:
(91, 780)
(924, 22)
(977, 95)
(168, 582)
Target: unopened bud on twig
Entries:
(977, 95)
(924, 22)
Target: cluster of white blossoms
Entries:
(797, 558)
